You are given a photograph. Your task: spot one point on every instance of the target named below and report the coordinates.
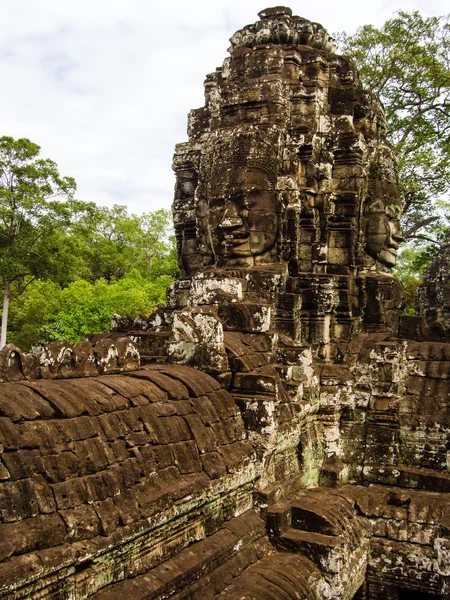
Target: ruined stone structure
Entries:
(433, 297)
(289, 142)
(281, 437)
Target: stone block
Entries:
(213, 464)
(186, 457)
(81, 522)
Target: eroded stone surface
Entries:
(433, 296)
(277, 430)
(62, 360)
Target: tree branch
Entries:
(413, 120)
(424, 237)
(417, 226)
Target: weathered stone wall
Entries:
(63, 360)
(395, 425)
(105, 477)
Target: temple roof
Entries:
(279, 26)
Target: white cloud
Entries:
(104, 86)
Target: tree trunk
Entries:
(4, 315)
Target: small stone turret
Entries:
(279, 26)
(433, 296)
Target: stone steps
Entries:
(315, 546)
(315, 522)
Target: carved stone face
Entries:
(383, 232)
(242, 219)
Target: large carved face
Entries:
(383, 232)
(242, 217)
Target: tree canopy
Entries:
(113, 242)
(30, 217)
(66, 265)
(46, 311)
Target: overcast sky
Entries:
(104, 86)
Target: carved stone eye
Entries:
(217, 204)
(245, 207)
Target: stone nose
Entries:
(396, 232)
(231, 218)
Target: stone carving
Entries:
(274, 431)
(433, 297)
(287, 169)
(15, 365)
(277, 26)
(292, 125)
(242, 217)
(62, 360)
(382, 233)
(382, 210)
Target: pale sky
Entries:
(104, 86)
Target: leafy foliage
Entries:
(407, 64)
(46, 311)
(113, 262)
(86, 308)
(412, 261)
(113, 242)
(29, 212)
(68, 265)
(30, 217)
(417, 254)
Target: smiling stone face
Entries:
(287, 163)
(383, 233)
(242, 216)
(288, 188)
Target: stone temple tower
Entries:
(287, 178)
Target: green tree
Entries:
(112, 262)
(155, 248)
(46, 311)
(407, 64)
(30, 310)
(54, 248)
(412, 260)
(115, 242)
(30, 218)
